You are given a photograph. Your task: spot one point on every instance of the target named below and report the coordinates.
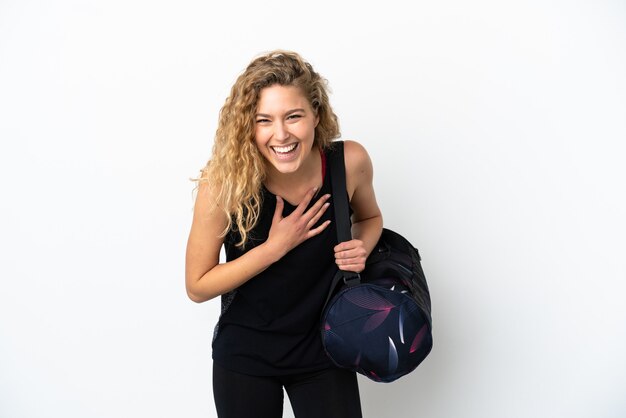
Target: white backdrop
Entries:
(497, 133)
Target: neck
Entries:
(306, 174)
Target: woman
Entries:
(265, 196)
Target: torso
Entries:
(270, 325)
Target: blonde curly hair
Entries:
(236, 170)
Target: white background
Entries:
(497, 133)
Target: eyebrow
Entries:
(265, 115)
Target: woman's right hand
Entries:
(288, 232)
(206, 278)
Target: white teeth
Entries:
(284, 150)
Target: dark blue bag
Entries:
(378, 322)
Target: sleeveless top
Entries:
(269, 326)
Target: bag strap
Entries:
(342, 207)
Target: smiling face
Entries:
(284, 127)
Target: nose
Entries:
(280, 131)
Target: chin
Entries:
(285, 168)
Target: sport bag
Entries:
(378, 322)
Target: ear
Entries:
(317, 120)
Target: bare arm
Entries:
(206, 278)
(367, 220)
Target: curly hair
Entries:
(236, 170)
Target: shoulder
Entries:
(354, 149)
(357, 159)
(359, 171)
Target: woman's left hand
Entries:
(351, 256)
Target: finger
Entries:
(351, 253)
(344, 258)
(318, 215)
(278, 212)
(319, 205)
(347, 245)
(350, 261)
(313, 232)
(357, 268)
(316, 207)
(305, 202)
(345, 252)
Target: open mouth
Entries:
(284, 150)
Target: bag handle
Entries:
(341, 206)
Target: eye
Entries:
(292, 117)
(262, 120)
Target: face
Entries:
(285, 127)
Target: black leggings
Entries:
(327, 393)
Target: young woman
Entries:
(265, 196)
